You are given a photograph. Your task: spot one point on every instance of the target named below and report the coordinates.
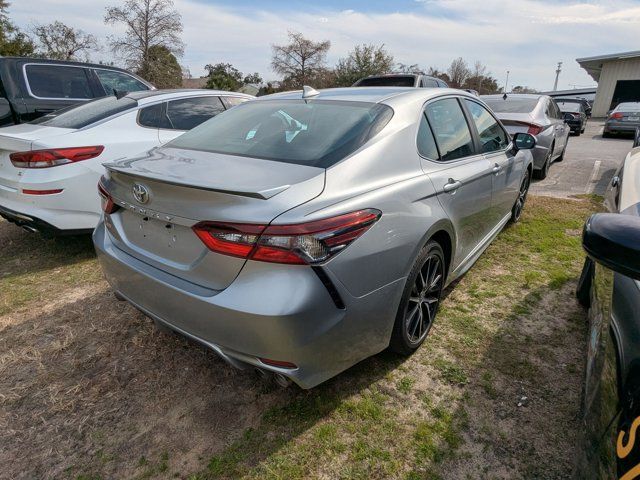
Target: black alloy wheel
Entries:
(420, 300)
(516, 211)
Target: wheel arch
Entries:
(443, 232)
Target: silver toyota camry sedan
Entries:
(303, 232)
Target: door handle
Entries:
(496, 168)
(452, 185)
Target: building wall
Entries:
(610, 74)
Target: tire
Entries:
(578, 132)
(516, 210)
(583, 291)
(544, 171)
(606, 135)
(420, 300)
(561, 157)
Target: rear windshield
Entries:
(511, 104)
(317, 133)
(629, 107)
(400, 81)
(568, 107)
(79, 116)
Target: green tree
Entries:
(301, 61)
(61, 42)
(12, 41)
(161, 68)
(364, 60)
(224, 76)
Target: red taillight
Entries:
(301, 244)
(616, 115)
(278, 363)
(108, 206)
(54, 156)
(534, 129)
(42, 192)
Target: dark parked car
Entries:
(610, 286)
(625, 118)
(585, 103)
(574, 115)
(401, 80)
(31, 87)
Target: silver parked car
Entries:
(538, 115)
(300, 234)
(625, 118)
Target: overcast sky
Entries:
(526, 37)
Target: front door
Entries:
(507, 168)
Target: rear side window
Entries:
(118, 81)
(79, 116)
(492, 137)
(153, 116)
(429, 83)
(426, 143)
(233, 101)
(58, 81)
(450, 129)
(190, 112)
(317, 133)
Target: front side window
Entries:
(113, 81)
(317, 133)
(58, 81)
(492, 136)
(190, 112)
(450, 129)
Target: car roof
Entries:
(369, 94)
(146, 96)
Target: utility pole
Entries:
(506, 82)
(558, 70)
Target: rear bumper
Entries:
(270, 311)
(622, 127)
(75, 209)
(35, 224)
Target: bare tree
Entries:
(406, 68)
(458, 72)
(363, 61)
(300, 60)
(149, 23)
(61, 42)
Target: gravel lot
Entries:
(589, 164)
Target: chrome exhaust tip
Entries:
(281, 380)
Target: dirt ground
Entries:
(90, 389)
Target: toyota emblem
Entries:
(140, 193)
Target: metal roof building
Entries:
(618, 77)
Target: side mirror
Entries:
(524, 141)
(613, 240)
(636, 138)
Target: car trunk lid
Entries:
(185, 187)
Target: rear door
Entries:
(186, 113)
(462, 176)
(51, 87)
(560, 128)
(507, 168)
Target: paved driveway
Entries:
(590, 162)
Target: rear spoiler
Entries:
(260, 194)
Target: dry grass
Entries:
(91, 390)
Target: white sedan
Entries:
(49, 169)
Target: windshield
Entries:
(78, 116)
(569, 107)
(397, 81)
(317, 133)
(511, 104)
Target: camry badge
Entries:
(140, 193)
